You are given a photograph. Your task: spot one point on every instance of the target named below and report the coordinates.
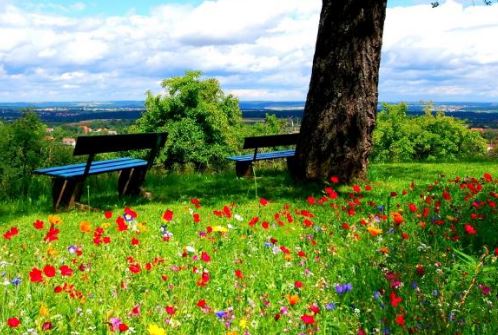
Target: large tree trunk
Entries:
(339, 115)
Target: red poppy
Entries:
(36, 275)
(298, 284)
(130, 212)
(253, 221)
(13, 322)
(227, 212)
(311, 200)
(11, 233)
(49, 271)
(170, 310)
(412, 208)
(135, 241)
(308, 319)
(239, 274)
(122, 226)
(108, 214)
(52, 234)
(205, 257)
(400, 319)
(197, 218)
(469, 229)
(134, 268)
(201, 303)
(38, 224)
(446, 196)
(265, 225)
(395, 300)
(334, 179)
(308, 223)
(487, 177)
(196, 202)
(168, 215)
(47, 325)
(331, 193)
(123, 327)
(356, 189)
(66, 271)
(263, 202)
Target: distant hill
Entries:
(478, 114)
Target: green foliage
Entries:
(201, 120)
(399, 137)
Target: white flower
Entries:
(238, 217)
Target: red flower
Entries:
(356, 189)
(168, 215)
(263, 202)
(412, 208)
(38, 224)
(135, 241)
(368, 188)
(400, 319)
(201, 303)
(13, 322)
(311, 200)
(197, 218)
(265, 225)
(52, 234)
(205, 257)
(470, 230)
(134, 268)
(108, 214)
(47, 325)
(123, 327)
(36, 275)
(253, 221)
(446, 196)
(122, 226)
(298, 284)
(49, 271)
(130, 212)
(308, 319)
(196, 202)
(301, 254)
(106, 239)
(66, 271)
(487, 177)
(334, 179)
(239, 274)
(496, 251)
(395, 300)
(307, 223)
(227, 212)
(314, 308)
(398, 218)
(170, 310)
(11, 233)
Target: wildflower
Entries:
(11, 233)
(400, 319)
(298, 284)
(13, 322)
(196, 217)
(334, 179)
(308, 319)
(122, 226)
(330, 306)
(412, 208)
(135, 241)
(47, 325)
(487, 177)
(85, 227)
(108, 214)
(239, 274)
(263, 202)
(135, 311)
(54, 219)
(196, 202)
(16, 281)
(52, 234)
(170, 310)
(485, 290)
(36, 275)
(374, 231)
(395, 300)
(155, 330)
(343, 288)
(38, 224)
(168, 215)
(398, 218)
(220, 229)
(66, 271)
(205, 257)
(49, 271)
(293, 299)
(134, 268)
(469, 229)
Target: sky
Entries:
(97, 50)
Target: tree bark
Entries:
(339, 115)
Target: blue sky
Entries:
(55, 50)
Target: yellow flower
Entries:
(374, 231)
(44, 310)
(51, 251)
(220, 229)
(85, 227)
(142, 227)
(156, 330)
(243, 323)
(54, 219)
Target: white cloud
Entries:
(259, 49)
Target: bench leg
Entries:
(291, 164)
(65, 192)
(131, 180)
(243, 169)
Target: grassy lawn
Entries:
(212, 254)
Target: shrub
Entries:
(201, 120)
(399, 137)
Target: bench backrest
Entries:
(92, 145)
(87, 145)
(270, 141)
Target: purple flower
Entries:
(330, 306)
(343, 288)
(220, 314)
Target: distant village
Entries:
(85, 130)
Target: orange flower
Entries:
(293, 299)
(85, 227)
(398, 218)
(54, 219)
(384, 250)
(374, 231)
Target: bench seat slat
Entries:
(263, 156)
(97, 167)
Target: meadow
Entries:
(410, 250)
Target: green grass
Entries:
(333, 247)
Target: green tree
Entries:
(201, 121)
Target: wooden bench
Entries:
(243, 163)
(67, 180)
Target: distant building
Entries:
(69, 141)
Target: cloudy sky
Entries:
(61, 50)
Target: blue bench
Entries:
(243, 163)
(67, 180)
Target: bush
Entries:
(201, 120)
(399, 137)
